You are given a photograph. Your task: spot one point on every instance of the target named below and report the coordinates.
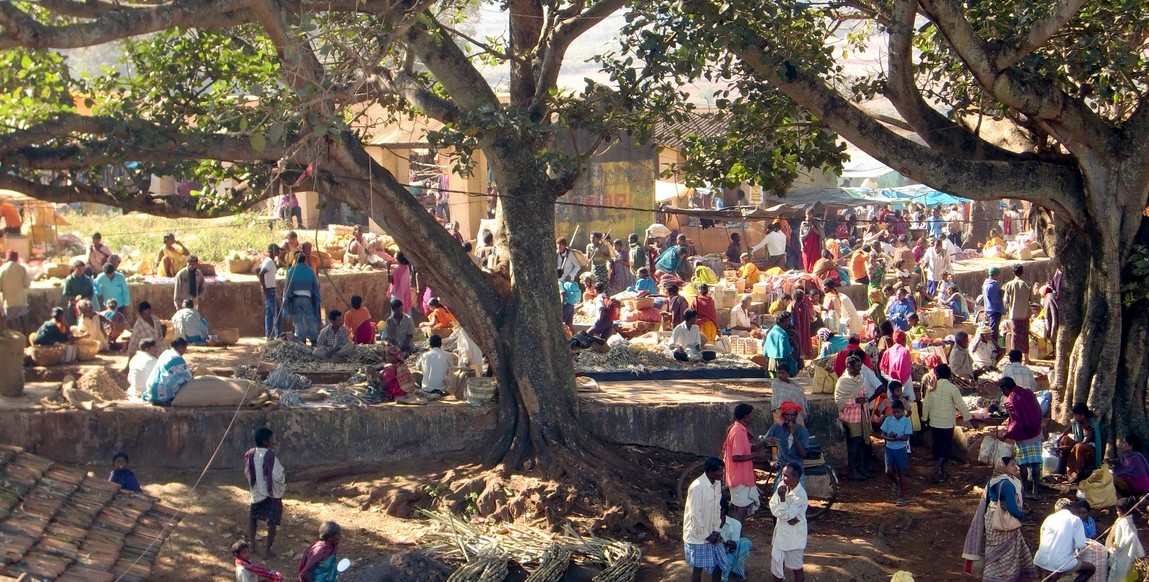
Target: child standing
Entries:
(122, 475)
(897, 430)
(267, 481)
(1123, 544)
(246, 570)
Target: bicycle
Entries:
(821, 482)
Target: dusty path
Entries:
(865, 537)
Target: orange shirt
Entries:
(737, 443)
(355, 318)
(440, 318)
(858, 265)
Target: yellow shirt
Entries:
(749, 272)
(776, 307)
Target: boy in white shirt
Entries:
(737, 547)
(788, 506)
(140, 366)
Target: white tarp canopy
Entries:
(863, 165)
(664, 191)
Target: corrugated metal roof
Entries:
(703, 123)
(388, 129)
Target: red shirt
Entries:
(737, 443)
(704, 305)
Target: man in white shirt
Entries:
(140, 367)
(788, 506)
(266, 272)
(983, 349)
(189, 324)
(1062, 535)
(740, 324)
(435, 364)
(702, 522)
(686, 340)
(775, 243)
(935, 262)
(1021, 374)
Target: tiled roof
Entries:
(58, 523)
(703, 123)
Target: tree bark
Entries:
(983, 216)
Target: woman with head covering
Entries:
(832, 343)
(1006, 555)
(301, 299)
(1077, 446)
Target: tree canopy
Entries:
(1067, 77)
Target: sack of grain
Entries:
(217, 391)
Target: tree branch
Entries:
(1053, 186)
(21, 29)
(169, 206)
(408, 87)
(938, 131)
(452, 68)
(27, 148)
(1069, 119)
(1042, 30)
(560, 40)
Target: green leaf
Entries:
(258, 142)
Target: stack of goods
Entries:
(745, 346)
(937, 317)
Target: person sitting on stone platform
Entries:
(189, 324)
(91, 324)
(54, 331)
(334, 343)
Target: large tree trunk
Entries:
(1106, 365)
(983, 217)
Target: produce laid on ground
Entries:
(626, 356)
(299, 358)
(485, 550)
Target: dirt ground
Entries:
(864, 537)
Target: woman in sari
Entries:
(401, 281)
(825, 269)
(319, 561)
(1077, 447)
(1131, 470)
(810, 234)
(358, 320)
(803, 318)
(173, 257)
(1006, 555)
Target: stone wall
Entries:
(174, 438)
(236, 303)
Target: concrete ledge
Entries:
(688, 416)
(175, 438)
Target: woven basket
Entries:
(239, 266)
(480, 390)
(48, 355)
(86, 349)
(228, 336)
(638, 303)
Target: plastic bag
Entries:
(993, 449)
(1098, 488)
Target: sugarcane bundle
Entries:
(621, 563)
(481, 569)
(552, 565)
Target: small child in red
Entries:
(246, 570)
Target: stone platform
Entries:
(686, 415)
(237, 303)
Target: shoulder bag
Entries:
(1002, 519)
